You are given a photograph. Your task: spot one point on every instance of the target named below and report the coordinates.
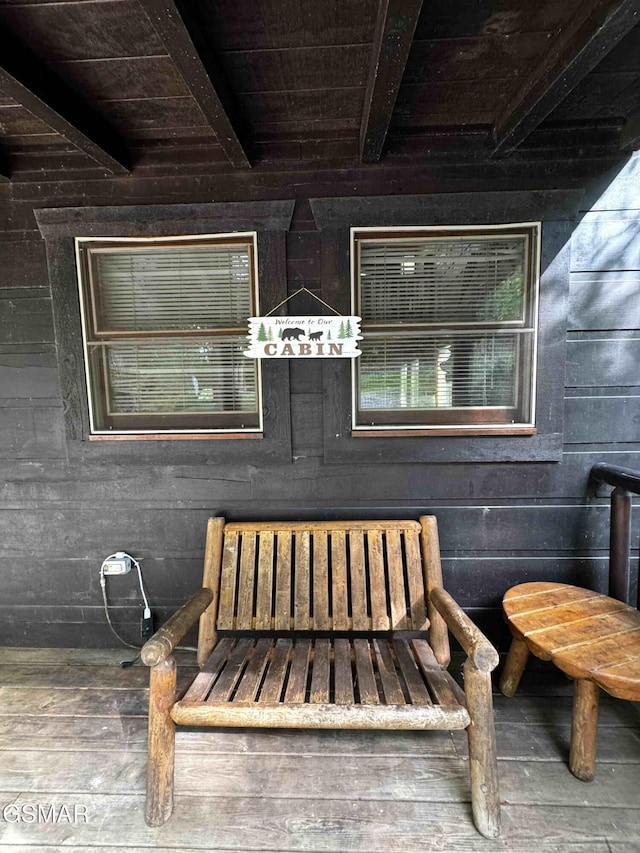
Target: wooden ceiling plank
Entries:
(207, 84)
(29, 82)
(81, 127)
(5, 168)
(395, 27)
(585, 42)
(630, 137)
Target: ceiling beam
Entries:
(395, 27)
(630, 136)
(29, 82)
(188, 51)
(585, 41)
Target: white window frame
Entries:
(533, 287)
(124, 241)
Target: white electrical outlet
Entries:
(119, 564)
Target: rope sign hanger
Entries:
(302, 290)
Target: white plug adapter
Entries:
(118, 564)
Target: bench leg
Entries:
(160, 761)
(514, 667)
(583, 729)
(485, 798)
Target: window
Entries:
(164, 325)
(449, 328)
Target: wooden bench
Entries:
(591, 637)
(323, 625)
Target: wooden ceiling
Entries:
(105, 87)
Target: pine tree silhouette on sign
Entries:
(262, 334)
(348, 332)
(341, 334)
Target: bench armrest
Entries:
(165, 639)
(481, 653)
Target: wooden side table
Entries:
(592, 638)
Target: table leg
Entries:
(583, 729)
(514, 667)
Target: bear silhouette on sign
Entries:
(315, 336)
(292, 334)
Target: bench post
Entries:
(438, 632)
(162, 688)
(483, 765)
(207, 634)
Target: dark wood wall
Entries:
(65, 506)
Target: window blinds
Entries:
(442, 281)
(476, 370)
(189, 288)
(197, 375)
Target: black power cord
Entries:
(147, 619)
(146, 625)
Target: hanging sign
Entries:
(304, 337)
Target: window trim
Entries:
(271, 221)
(557, 209)
(533, 232)
(87, 300)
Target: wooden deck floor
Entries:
(73, 729)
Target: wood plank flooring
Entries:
(73, 733)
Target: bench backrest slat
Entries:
(322, 576)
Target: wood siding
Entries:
(65, 505)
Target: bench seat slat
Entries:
(367, 687)
(224, 686)
(390, 682)
(446, 691)
(343, 673)
(252, 677)
(201, 685)
(297, 685)
(274, 681)
(413, 679)
(320, 679)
